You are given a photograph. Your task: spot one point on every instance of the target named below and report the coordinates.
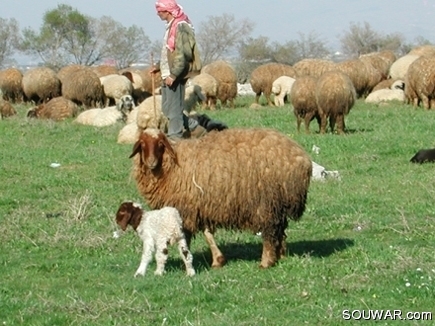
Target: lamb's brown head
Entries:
(129, 213)
(151, 146)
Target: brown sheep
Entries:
(83, 87)
(358, 73)
(244, 179)
(378, 61)
(263, 77)
(104, 70)
(423, 50)
(313, 67)
(303, 99)
(63, 72)
(11, 85)
(57, 109)
(139, 94)
(41, 84)
(335, 96)
(420, 82)
(147, 82)
(6, 109)
(226, 77)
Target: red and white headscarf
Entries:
(177, 12)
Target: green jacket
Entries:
(184, 61)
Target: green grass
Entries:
(359, 243)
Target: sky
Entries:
(279, 20)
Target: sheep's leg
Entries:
(282, 248)
(298, 122)
(147, 255)
(161, 257)
(186, 255)
(340, 124)
(323, 122)
(257, 98)
(269, 255)
(308, 117)
(217, 256)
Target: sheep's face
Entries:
(129, 213)
(276, 89)
(151, 146)
(125, 105)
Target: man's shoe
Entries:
(198, 132)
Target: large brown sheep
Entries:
(303, 99)
(335, 96)
(83, 87)
(57, 109)
(244, 179)
(41, 84)
(63, 72)
(226, 77)
(358, 73)
(313, 67)
(263, 77)
(11, 85)
(420, 82)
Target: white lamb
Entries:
(115, 86)
(107, 116)
(395, 92)
(157, 229)
(281, 87)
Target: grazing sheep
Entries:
(114, 87)
(135, 77)
(107, 116)
(157, 229)
(335, 96)
(399, 68)
(65, 71)
(423, 50)
(313, 67)
(57, 109)
(281, 88)
(424, 156)
(245, 179)
(104, 70)
(147, 81)
(358, 73)
(420, 82)
(6, 109)
(83, 87)
(41, 84)
(209, 87)
(263, 77)
(226, 77)
(11, 85)
(378, 61)
(303, 99)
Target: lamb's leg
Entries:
(186, 255)
(147, 255)
(161, 257)
(218, 257)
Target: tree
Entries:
(67, 36)
(9, 39)
(124, 45)
(219, 36)
(311, 46)
(360, 39)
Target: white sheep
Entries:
(157, 229)
(109, 115)
(281, 87)
(115, 86)
(395, 92)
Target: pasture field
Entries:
(366, 242)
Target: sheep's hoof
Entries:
(264, 265)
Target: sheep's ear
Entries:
(137, 147)
(170, 149)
